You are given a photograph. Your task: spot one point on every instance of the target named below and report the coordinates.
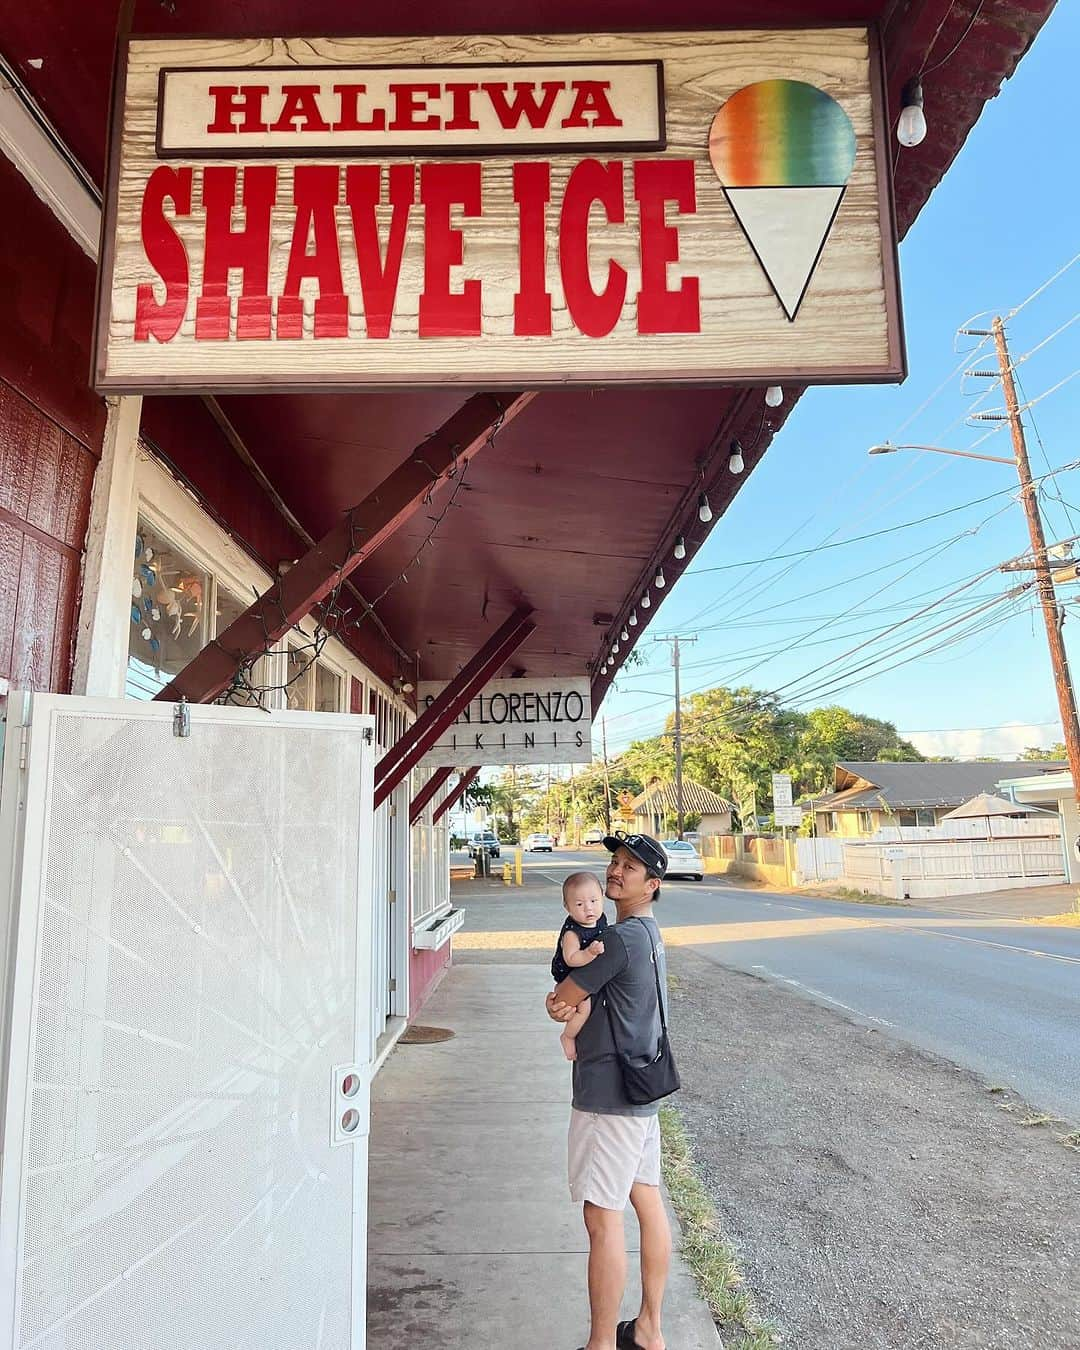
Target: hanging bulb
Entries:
(603, 669)
(704, 510)
(624, 636)
(645, 601)
(680, 548)
(911, 128)
(614, 648)
(736, 463)
(774, 396)
(658, 581)
(633, 618)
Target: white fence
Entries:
(818, 860)
(929, 867)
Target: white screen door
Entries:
(188, 932)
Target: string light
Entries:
(645, 601)
(911, 128)
(633, 618)
(680, 548)
(659, 580)
(704, 510)
(774, 396)
(614, 648)
(624, 636)
(736, 463)
(603, 669)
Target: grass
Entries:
(704, 1248)
(854, 896)
(1070, 919)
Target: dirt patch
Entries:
(877, 1196)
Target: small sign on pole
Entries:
(781, 790)
(789, 816)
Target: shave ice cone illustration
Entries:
(783, 151)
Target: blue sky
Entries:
(1002, 222)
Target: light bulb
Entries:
(704, 510)
(680, 547)
(624, 636)
(774, 396)
(633, 618)
(603, 669)
(614, 648)
(645, 601)
(736, 463)
(658, 581)
(911, 128)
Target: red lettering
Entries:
(315, 192)
(247, 250)
(591, 100)
(230, 101)
(660, 310)
(410, 102)
(379, 280)
(462, 117)
(525, 103)
(595, 313)
(165, 253)
(300, 109)
(442, 312)
(532, 304)
(349, 113)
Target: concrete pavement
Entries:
(473, 1241)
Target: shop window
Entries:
(170, 617)
(312, 685)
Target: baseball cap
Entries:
(644, 848)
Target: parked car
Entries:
(539, 843)
(683, 859)
(483, 842)
(593, 837)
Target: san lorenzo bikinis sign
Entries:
(517, 211)
(528, 721)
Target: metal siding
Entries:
(45, 480)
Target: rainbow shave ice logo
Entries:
(783, 151)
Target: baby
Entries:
(579, 943)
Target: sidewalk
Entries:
(473, 1241)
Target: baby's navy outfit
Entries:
(559, 969)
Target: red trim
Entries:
(410, 749)
(454, 795)
(426, 793)
(352, 540)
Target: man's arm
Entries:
(588, 980)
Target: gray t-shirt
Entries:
(623, 976)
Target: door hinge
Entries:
(24, 746)
(369, 735)
(392, 897)
(391, 985)
(393, 810)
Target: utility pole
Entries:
(607, 780)
(675, 641)
(1062, 679)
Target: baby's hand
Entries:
(594, 950)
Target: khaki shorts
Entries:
(608, 1154)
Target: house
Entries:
(867, 796)
(659, 803)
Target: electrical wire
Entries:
(956, 45)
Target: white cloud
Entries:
(1005, 742)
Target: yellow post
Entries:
(506, 874)
(517, 864)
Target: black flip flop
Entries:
(626, 1336)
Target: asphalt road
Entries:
(999, 997)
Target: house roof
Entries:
(661, 797)
(870, 786)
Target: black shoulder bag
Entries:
(647, 1079)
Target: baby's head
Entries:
(583, 898)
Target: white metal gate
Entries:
(186, 1028)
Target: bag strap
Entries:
(656, 974)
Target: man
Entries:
(614, 1146)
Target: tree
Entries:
(835, 733)
(1056, 751)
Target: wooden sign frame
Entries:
(763, 351)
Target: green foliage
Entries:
(1056, 751)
